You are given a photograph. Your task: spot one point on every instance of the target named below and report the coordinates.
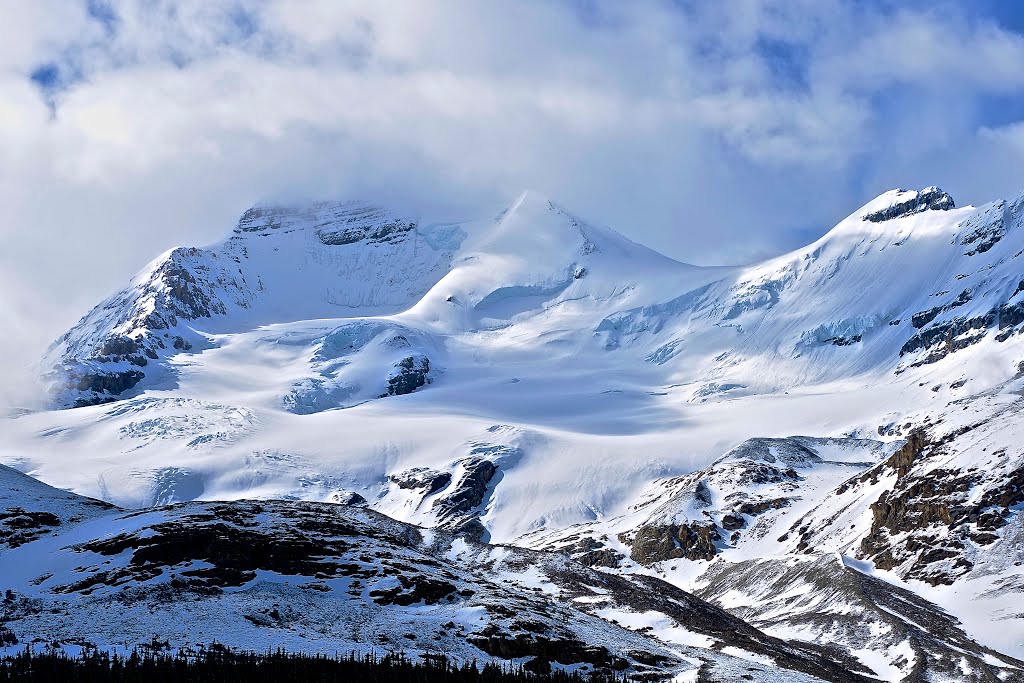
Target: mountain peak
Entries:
(532, 197)
(897, 203)
(528, 202)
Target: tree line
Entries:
(222, 665)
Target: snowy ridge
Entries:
(30, 509)
(836, 309)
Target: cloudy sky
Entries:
(716, 132)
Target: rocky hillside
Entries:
(323, 577)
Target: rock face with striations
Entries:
(653, 544)
(409, 374)
(456, 497)
(459, 509)
(117, 344)
(928, 199)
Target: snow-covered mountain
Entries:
(536, 380)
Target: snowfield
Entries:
(825, 444)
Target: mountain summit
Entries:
(906, 203)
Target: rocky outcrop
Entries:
(335, 223)
(456, 496)
(928, 199)
(927, 523)
(922, 318)
(387, 231)
(19, 526)
(459, 508)
(602, 557)
(652, 544)
(471, 488)
(349, 498)
(409, 374)
(422, 478)
(950, 336)
(986, 228)
(101, 386)
(844, 341)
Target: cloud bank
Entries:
(714, 132)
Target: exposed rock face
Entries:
(844, 341)
(693, 541)
(602, 557)
(928, 199)
(820, 594)
(456, 497)
(983, 230)
(956, 334)
(335, 223)
(349, 498)
(428, 480)
(409, 375)
(922, 318)
(109, 351)
(459, 509)
(103, 387)
(19, 526)
(190, 291)
(395, 230)
(926, 525)
(471, 489)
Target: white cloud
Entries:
(708, 130)
(933, 50)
